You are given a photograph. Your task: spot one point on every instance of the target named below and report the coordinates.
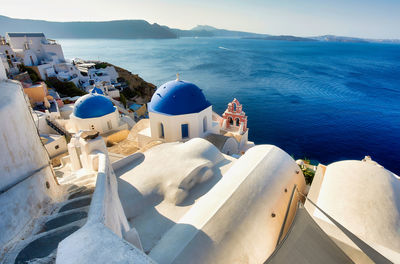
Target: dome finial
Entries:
(177, 77)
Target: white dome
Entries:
(365, 198)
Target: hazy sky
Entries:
(358, 18)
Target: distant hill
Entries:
(285, 38)
(333, 38)
(209, 31)
(192, 33)
(124, 29)
(141, 29)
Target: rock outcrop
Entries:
(135, 89)
(141, 91)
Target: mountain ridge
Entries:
(125, 29)
(141, 29)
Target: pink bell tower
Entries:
(234, 119)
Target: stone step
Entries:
(76, 203)
(64, 219)
(56, 220)
(82, 192)
(44, 245)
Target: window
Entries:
(57, 147)
(234, 107)
(237, 122)
(205, 124)
(185, 130)
(230, 120)
(161, 130)
(92, 127)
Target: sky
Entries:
(356, 18)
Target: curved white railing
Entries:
(101, 240)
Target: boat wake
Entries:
(220, 47)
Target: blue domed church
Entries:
(95, 111)
(179, 111)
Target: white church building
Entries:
(179, 111)
(95, 111)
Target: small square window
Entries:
(57, 147)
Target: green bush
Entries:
(32, 74)
(101, 65)
(122, 98)
(308, 175)
(128, 93)
(64, 88)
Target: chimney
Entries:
(3, 75)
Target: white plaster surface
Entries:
(24, 166)
(188, 203)
(363, 197)
(102, 237)
(55, 145)
(172, 125)
(233, 222)
(22, 150)
(230, 147)
(3, 74)
(170, 170)
(100, 124)
(161, 185)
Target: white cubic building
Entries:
(34, 48)
(8, 57)
(44, 56)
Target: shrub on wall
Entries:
(122, 98)
(64, 88)
(32, 74)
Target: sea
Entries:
(322, 101)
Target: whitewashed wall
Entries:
(18, 42)
(22, 150)
(172, 125)
(99, 123)
(104, 238)
(57, 146)
(26, 180)
(26, 57)
(3, 74)
(230, 147)
(239, 220)
(55, 49)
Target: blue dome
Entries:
(93, 105)
(96, 90)
(178, 98)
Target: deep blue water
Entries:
(324, 101)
